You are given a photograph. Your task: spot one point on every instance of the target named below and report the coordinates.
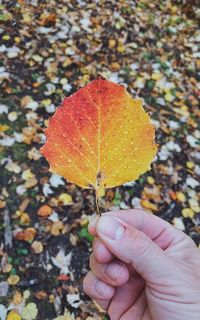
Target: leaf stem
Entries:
(97, 202)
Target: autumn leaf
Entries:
(13, 280)
(17, 299)
(27, 234)
(30, 311)
(13, 315)
(44, 211)
(65, 199)
(37, 247)
(100, 137)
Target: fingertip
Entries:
(102, 254)
(96, 288)
(117, 272)
(92, 226)
(104, 290)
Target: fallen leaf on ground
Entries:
(62, 261)
(73, 299)
(27, 234)
(63, 277)
(56, 228)
(6, 268)
(37, 247)
(13, 315)
(30, 311)
(30, 183)
(188, 213)
(13, 280)
(18, 298)
(3, 312)
(66, 316)
(150, 180)
(4, 287)
(65, 199)
(45, 211)
(148, 205)
(40, 295)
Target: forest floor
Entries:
(49, 49)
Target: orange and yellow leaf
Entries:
(100, 137)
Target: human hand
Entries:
(142, 268)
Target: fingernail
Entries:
(110, 227)
(114, 270)
(102, 288)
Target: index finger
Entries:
(157, 229)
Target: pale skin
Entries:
(142, 268)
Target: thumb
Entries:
(134, 247)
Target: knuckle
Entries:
(141, 244)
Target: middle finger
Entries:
(114, 273)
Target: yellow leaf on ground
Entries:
(180, 196)
(6, 268)
(150, 180)
(13, 280)
(37, 247)
(169, 97)
(111, 43)
(27, 18)
(190, 164)
(188, 213)
(30, 311)
(27, 174)
(56, 228)
(148, 205)
(18, 298)
(4, 127)
(65, 199)
(13, 315)
(6, 37)
(17, 39)
(37, 58)
(25, 218)
(156, 76)
(26, 294)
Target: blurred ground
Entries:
(48, 50)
